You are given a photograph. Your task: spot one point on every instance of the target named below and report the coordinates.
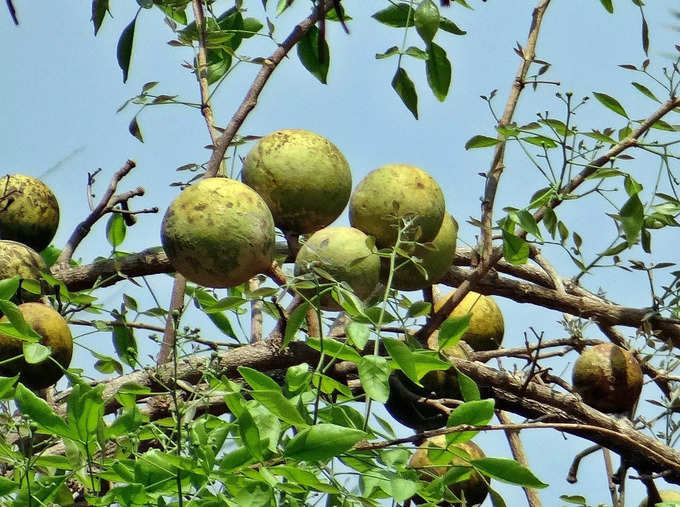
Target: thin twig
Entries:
(256, 306)
(105, 204)
(572, 476)
(610, 477)
(520, 456)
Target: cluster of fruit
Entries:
(29, 217)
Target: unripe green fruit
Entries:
(608, 378)
(667, 495)
(436, 259)
(486, 320)
(302, 176)
(394, 192)
(218, 233)
(344, 253)
(474, 489)
(29, 211)
(56, 335)
(19, 259)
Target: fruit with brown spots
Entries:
(303, 177)
(431, 462)
(19, 259)
(56, 335)
(486, 320)
(396, 192)
(344, 253)
(608, 378)
(218, 233)
(667, 495)
(29, 211)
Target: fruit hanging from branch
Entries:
(394, 193)
(17, 259)
(303, 177)
(218, 233)
(54, 333)
(29, 211)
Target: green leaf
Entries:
(611, 103)
(515, 249)
(474, 413)
(115, 229)
(282, 6)
(322, 442)
(294, 323)
(396, 15)
(481, 142)
(9, 287)
(358, 333)
(541, 141)
(334, 348)
(280, 406)
(257, 380)
(99, 10)
(438, 68)
(403, 356)
(632, 214)
(426, 19)
(632, 187)
(17, 326)
(645, 91)
(468, 387)
(40, 412)
(418, 309)
(124, 49)
(528, 223)
(402, 488)
(406, 90)
(452, 330)
(308, 51)
(607, 4)
(392, 51)
(374, 373)
(449, 26)
(7, 486)
(416, 53)
(508, 470)
(35, 353)
(134, 129)
(125, 344)
(7, 387)
(250, 435)
(85, 411)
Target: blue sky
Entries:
(62, 87)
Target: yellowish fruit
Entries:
(56, 335)
(608, 378)
(436, 259)
(667, 495)
(393, 192)
(302, 176)
(486, 320)
(345, 254)
(19, 259)
(218, 233)
(29, 211)
(474, 489)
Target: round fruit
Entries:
(393, 192)
(29, 212)
(19, 259)
(345, 254)
(667, 495)
(436, 259)
(411, 413)
(608, 378)
(218, 233)
(486, 320)
(55, 334)
(303, 177)
(474, 489)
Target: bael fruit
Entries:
(608, 378)
(667, 495)
(474, 488)
(486, 320)
(56, 335)
(29, 211)
(344, 253)
(302, 176)
(218, 233)
(396, 191)
(436, 259)
(19, 259)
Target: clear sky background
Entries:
(61, 87)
